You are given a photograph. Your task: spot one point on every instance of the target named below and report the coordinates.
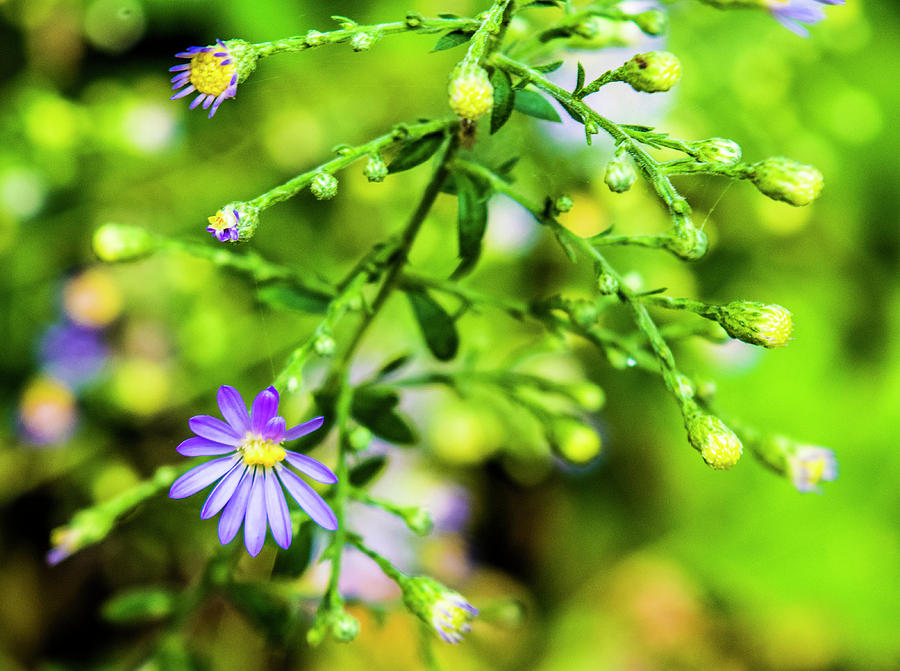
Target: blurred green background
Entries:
(646, 559)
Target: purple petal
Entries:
(220, 54)
(216, 103)
(302, 429)
(182, 77)
(231, 518)
(265, 406)
(311, 467)
(201, 477)
(226, 61)
(274, 430)
(793, 26)
(215, 429)
(277, 511)
(200, 98)
(202, 447)
(181, 94)
(255, 519)
(179, 68)
(313, 504)
(233, 408)
(208, 101)
(223, 491)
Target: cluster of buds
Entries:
(789, 181)
(762, 324)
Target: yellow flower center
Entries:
(256, 450)
(815, 469)
(220, 222)
(208, 75)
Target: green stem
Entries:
(492, 26)
(414, 23)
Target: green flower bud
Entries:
(563, 204)
(418, 520)
(596, 32)
(717, 444)
(314, 38)
(324, 345)
(470, 91)
(584, 313)
(689, 244)
(607, 284)
(574, 442)
(344, 627)
(359, 438)
(653, 72)
(363, 41)
(376, 169)
(756, 323)
(620, 173)
(116, 242)
(588, 395)
(324, 186)
(717, 150)
(783, 179)
(653, 22)
(447, 612)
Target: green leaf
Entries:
(579, 82)
(548, 67)
(503, 99)
(374, 409)
(534, 104)
(289, 296)
(415, 152)
(452, 39)
(472, 223)
(291, 563)
(144, 604)
(543, 3)
(437, 326)
(572, 112)
(393, 365)
(505, 169)
(367, 470)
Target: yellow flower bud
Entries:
(756, 323)
(470, 91)
(789, 181)
(653, 72)
(717, 444)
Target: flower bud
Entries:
(344, 627)
(573, 441)
(717, 150)
(314, 38)
(689, 244)
(376, 169)
(756, 323)
(563, 204)
(653, 72)
(324, 345)
(584, 313)
(652, 22)
(596, 32)
(783, 179)
(607, 284)
(418, 520)
(620, 173)
(359, 438)
(470, 91)
(116, 242)
(363, 41)
(235, 221)
(324, 186)
(447, 612)
(588, 395)
(717, 444)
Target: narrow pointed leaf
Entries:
(452, 39)
(503, 99)
(438, 327)
(374, 409)
(416, 152)
(367, 470)
(534, 104)
(471, 222)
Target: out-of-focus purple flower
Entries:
(224, 225)
(47, 413)
(808, 465)
(792, 14)
(73, 354)
(250, 472)
(212, 72)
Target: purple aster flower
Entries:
(808, 465)
(73, 354)
(224, 226)
(792, 14)
(212, 72)
(250, 472)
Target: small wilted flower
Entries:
(363, 41)
(445, 611)
(471, 93)
(756, 323)
(718, 150)
(717, 444)
(324, 186)
(653, 72)
(213, 72)
(789, 181)
(620, 172)
(234, 222)
(251, 476)
(807, 465)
